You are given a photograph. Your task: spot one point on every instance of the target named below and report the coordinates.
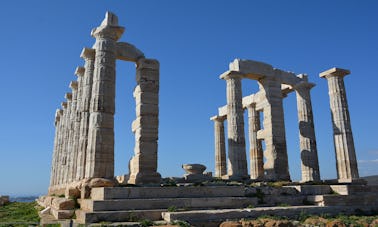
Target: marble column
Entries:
(79, 72)
(276, 167)
(88, 55)
(143, 165)
(307, 139)
(70, 145)
(255, 150)
(220, 146)
(63, 174)
(346, 161)
(100, 149)
(55, 150)
(237, 161)
(58, 171)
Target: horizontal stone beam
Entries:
(128, 52)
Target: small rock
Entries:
(230, 224)
(335, 223)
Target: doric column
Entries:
(88, 55)
(255, 150)
(79, 72)
(70, 146)
(143, 165)
(58, 171)
(100, 150)
(65, 137)
(307, 139)
(237, 163)
(55, 151)
(220, 146)
(276, 166)
(342, 131)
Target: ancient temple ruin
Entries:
(84, 137)
(83, 185)
(274, 85)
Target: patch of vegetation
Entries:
(250, 206)
(146, 222)
(19, 214)
(172, 209)
(180, 223)
(283, 205)
(278, 184)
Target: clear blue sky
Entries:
(194, 41)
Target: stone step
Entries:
(353, 189)
(367, 199)
(164, 203)
(166, 192)
(86, 217)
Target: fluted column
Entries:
(220, 146)
(237, 161)
(66, 132)
(255, 151)
(88, 55)
(307, 139)
(79, 72)
(143, 165)
(57, 122)
(346, 162)
(100, 150)
(70, 145)
(276, 166)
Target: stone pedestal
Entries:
(100, 150)
(346, 161)
(276, 166)
(89, 56)
(237, 163)
(307, 139)
(143, 165)
(255, 151)
(220, 146)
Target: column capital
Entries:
(73, 85)
(109, 28)
(68, 96)
(304, 84)
(218, 118)
(63, 105)
(79, 71)
(230, 75)
(88, 53)
(57, 114)
(334, 72)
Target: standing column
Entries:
(100, 150)
(89, 56)
(237, 161)
(220, 146)
(79, 72)
(143, 165)
(255, 151)
(65, 137)
(342, 131)
(55, 152)
(70, 147)
(307, 139)
(276, 165)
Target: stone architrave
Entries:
(63, 171)
(307, 139)
(70, 147)
(346, 161)
(143, 165)
(55, 151)
(276, 166)
(88, 55)
(255, 150)
(220, 146)
(237, 163)
(79, 72)
(100, 149)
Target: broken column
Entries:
(307, 140)
(100, 150)
(276, 166)
(342, 131)
(256, 150)
(237, 163)
(88, 55)
(220, 146)
(143, 165)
